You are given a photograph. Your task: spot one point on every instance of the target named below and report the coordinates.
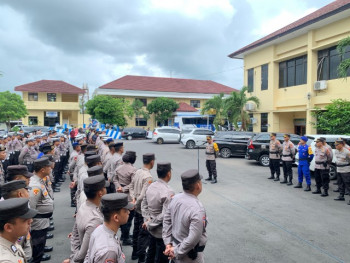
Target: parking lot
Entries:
(251, 219)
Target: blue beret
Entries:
(75, 144)
(304, 138)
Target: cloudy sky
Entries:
(95, 42)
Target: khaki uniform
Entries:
(106, 162)
(11, 253)
(104, 247)
(72, 162)
(184, 225)
(275, 149)
(288, 151)
(124, 175)
(17, 145)
(139, 185)
(25, 243)
(343, 170)
(115, 161)
(322, 158)
(80, 163)
(80, 187)
(2, 173)
(28, 155)
(104, 152)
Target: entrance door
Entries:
(51, 119)
(300, 130)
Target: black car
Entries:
(232, 143)
(258, 147)
(131, 133)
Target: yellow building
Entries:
(51, 102)
(190, 94)
(294, 70)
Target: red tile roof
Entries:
(54, 86)
(320, 14)
(184, 107)
(142, 83)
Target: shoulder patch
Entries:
(36, 191)
(45, 193)
(150, 181)
(110, 260)
(75, 158)
(42, 186)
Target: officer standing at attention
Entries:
(155, 203)
(288, 154)
(2, 157)
(275, 151)
(15, 220)
(104, 243)
(343, 169)
(18, 172)
(185, 221)
(323, 158)
(28, 154)
(211, 150)
(115, 161)
(305, 157)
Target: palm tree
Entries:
(215, 106)
(234, 107)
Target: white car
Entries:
(166, 134)
(330, 139)
(195, 137)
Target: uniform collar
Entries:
(109, 231)
(7, 243)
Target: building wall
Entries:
(286, 104)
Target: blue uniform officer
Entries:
(305, 157)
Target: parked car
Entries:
(331, 141)
(195, 137)
(18, 127)
(166, 135)
(258, 147)
(132, 133)
(232, 143)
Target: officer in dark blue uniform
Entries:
(305, 157)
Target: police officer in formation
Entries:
(288, 153)
(305, 157)
(211, 152)
(275, 151)
(342, 155)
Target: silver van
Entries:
(166, 135)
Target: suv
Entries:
(166, 134)
(232, 143)
(195, 137)
(130, 133)
(258, 146)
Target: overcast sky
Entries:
(95, 42)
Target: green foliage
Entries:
(162, 108)
(344, 66)
(107, 110)
(11, 107)
(215, 104)
(137, 110)
(335, 119)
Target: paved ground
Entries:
(251, 219)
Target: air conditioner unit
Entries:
(320, 85)
(250, 107)
(253, 121)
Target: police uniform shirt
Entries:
(80, 180)
(343, 158)
(106, 162)
(57, 153)
(40, 200)
(288, 151)
(275, 149)
(27, 155)
(322, 155)
(11, 253)
(25, 243)
(139, 185)
(104, 152)
(9, 146)
(104, 247)
(154, 205)
(2, 174)
(115, 161)
(184, 225)
(17, 145)
(124, 175)
(72, 162)
(80, 163)
(209, 151)
(62, 149)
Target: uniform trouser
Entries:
(303, 170)
(275, 167)
(343, 182)
(38, 242)
(5, 164)
(125, 229)
(11, 158)
(140, 237)
(62, 158)
(211, 167)
(322, 178)
(287, 170)
(155, 251)
(15, 158)
(56, 172)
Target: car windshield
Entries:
(186, 131)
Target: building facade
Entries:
(51, 103)
(294, 70)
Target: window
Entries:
(33, 96)
(250, 125)
(264, 76)
(33, 120)
(196, 103)
(264, 122)
(140, 122)
(203, 132)
(250, 80)
(144, 101)
(293, 72)
(51, 97)
(328, 62)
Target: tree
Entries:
(215, 105)
(107, 110)
(344, 66)
(235, 107)
(162, 108)
(137, 110)
(334, 119)
(11, 107)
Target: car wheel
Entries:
(129, 137)
(160, 141)
(264, 160)
(190, 144)
(225, 153)
(332, 172)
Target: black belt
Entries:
(320, 162)
(289, 155)
(209, 153)
(46, 215)
(342, 165)
(274, 152)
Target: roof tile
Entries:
(55, 86)
(184, 107)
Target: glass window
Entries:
(328, 62)
(33, 120)
(334, 61)
(51, 97)
(250, 80)
(33, 96)
(263, 138)
(144, 101)
(264, 76)
(283, 75)
(250, 125)
(140, 122)
(264, 122)
(195, 103)
(293, 72)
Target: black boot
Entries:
(325, 193)
(214, 181)
(271, 177)
(318, 191)
(290, 182)
(284, 181)
(277, 178)
(299, 185)
(340, 198)
(308, 188)
(349, 202)
(208, 179)
(336, 191)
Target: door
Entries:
(300, 130)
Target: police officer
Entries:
(343, 169)
(18, 172)
(17, 147)
(71, 166)
(305, 157)
(323, 158)
(106, 162)
(185, 221)
(2, 158)
(41, 201)
(105, 148)
(115, 161)
(28, 154)
(157, 198)
(15, 220)
(288, 154)
(211, 150)
(138, 187)
(275, 150)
